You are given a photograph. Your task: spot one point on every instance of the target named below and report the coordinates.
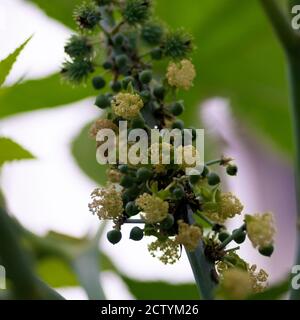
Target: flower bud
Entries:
(145, 76)
(102, 101)
(114, 236)
(98, 83)
(136, 234)
(213, 179)
(131, 209)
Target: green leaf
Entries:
(61, 10)
(11, 151)
(84, 151)
(86, 266)
(33, 95)
(56, 273)
(7, 63)
(236, 59)
(159, 290)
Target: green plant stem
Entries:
(290, 41)
(281, 25)
(202, 267)
(207, 220)
(294, 79)
(237, 233)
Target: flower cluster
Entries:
(153, 208)
(188, 236)
(107, 203)
(177, 209)
(261, 230)
(181, 75)
(127, 105)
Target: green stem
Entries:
(281, 25)
(290, 41)
(202, 267)
(235, 234)
(294, 79)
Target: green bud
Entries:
(232, 170)
(114, 236)
(127, 181)
(178, 193)
(119, 40)
(77, 71)
(223, 236)
(136, 11)
(87, 16)
(121, 60)
(126, 81)
(116, 86)
(98, 83)
(78, 47)
(102, 101)
(131, 209)
(156, 54)
(145, 76)
(143, 174)
(136, 234)
(168, 222)
(267, 251)
(123, 168)
(177, 108)
(152, 34)
(194, 179)
(107, 65)
(159, 92)
(239, 237)
(178, 124)
(213, 179)
(177, 45)
(137, 123)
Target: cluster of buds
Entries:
(132, 41)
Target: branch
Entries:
(202, 268)
(281, 25)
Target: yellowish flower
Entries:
(258, 279)
(189, 236)
(113, 175)
(101, 124)
(106, 203)
(235, 284)
(227, 206)
(154, 209)
(260, 229)
(168, 251)
(181, 75)
(127, 105)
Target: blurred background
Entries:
(240, 98)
